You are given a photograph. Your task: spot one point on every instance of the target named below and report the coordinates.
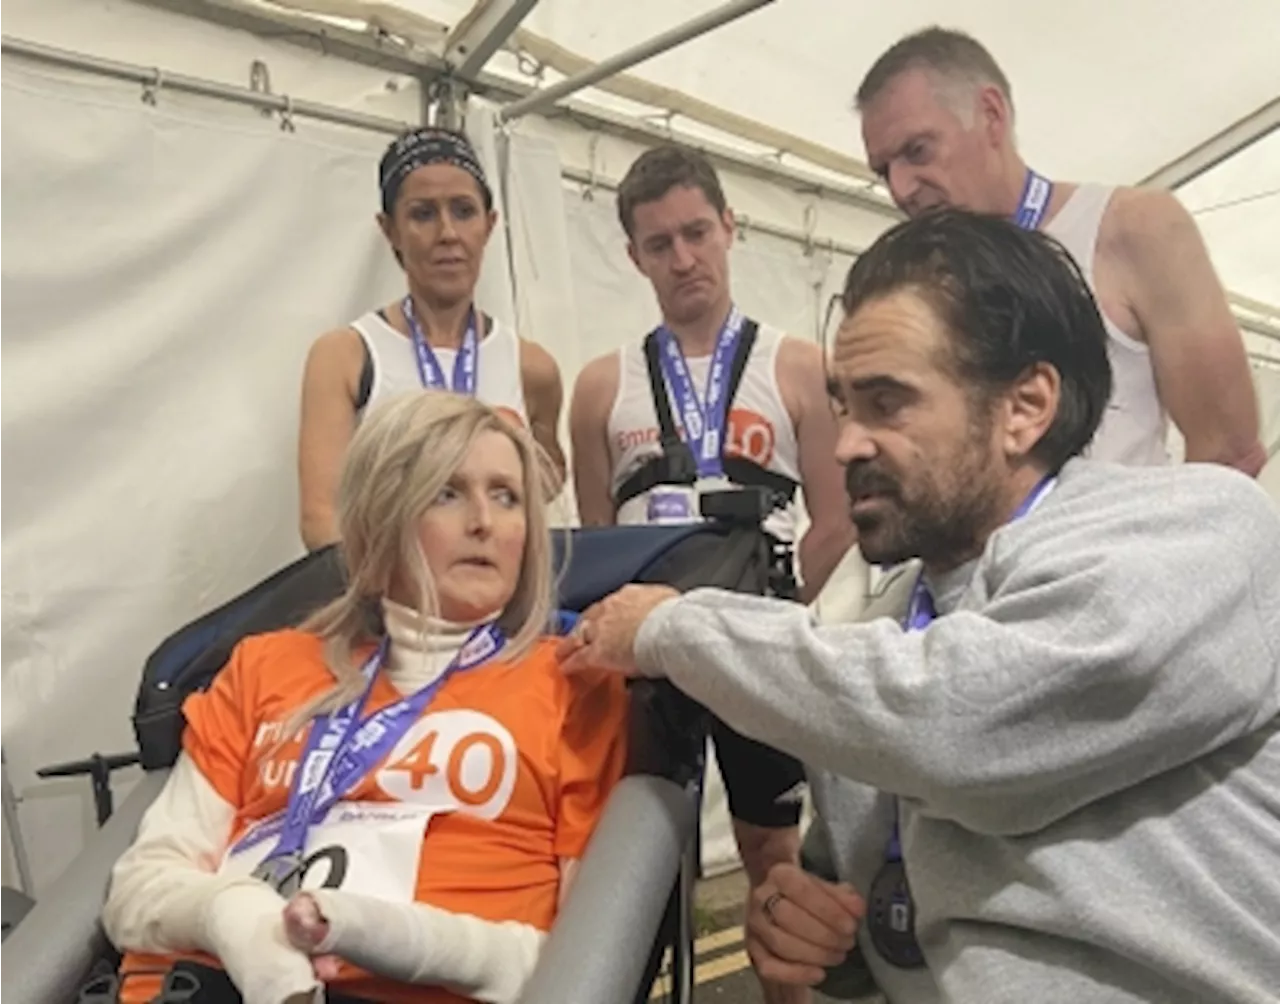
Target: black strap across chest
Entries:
(675, 465)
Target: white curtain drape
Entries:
(165, 270)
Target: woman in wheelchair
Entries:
(390, 800)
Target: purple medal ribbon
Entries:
(1036, 191)
(465, 364)
(704, 420)
(921, 613)
(341, 748)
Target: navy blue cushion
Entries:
(601, 560)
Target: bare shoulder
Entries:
(800, 356)
(594, 390)
(801, 371)
(538, 366)
(801, 375)
(599, 377)
(1140, 217)
(340, 351)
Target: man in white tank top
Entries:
(938, 124)
(775, 428)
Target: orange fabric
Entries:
(569, 737)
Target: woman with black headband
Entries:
(437, 215)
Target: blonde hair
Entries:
(401, 458)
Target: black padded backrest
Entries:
(599, 561)
(188, 660)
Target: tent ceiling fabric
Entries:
(1237, 205)
(1101, 73)
(1104, 91)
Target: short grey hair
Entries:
(951, 56)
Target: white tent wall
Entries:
(162, 281)
(136, 33)
(167, 267)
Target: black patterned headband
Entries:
(420, 147)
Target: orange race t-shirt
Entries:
(511, 761)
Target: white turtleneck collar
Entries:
(421, 647)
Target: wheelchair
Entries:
(632, 900)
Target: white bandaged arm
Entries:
(166, 896)
(415, 943)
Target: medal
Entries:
(891, 918)
(282, 873)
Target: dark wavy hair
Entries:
(1010, 298)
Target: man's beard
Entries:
(942, 519)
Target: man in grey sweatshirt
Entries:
(1051, 767)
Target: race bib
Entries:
(371, 848)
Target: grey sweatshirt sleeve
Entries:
(1106, 639)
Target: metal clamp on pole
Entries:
(13, 829)
(660, 43)
(150, 88)
(481, 33)
(444, 97)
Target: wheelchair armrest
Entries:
(52, 949)
(601, 940)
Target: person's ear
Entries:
(387, 224)
(730, 223)
(1030, 406)
(994, 115)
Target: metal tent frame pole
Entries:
(480, 34)
(388, 54)
(1226, 144)
(156, 79)
(662, 42)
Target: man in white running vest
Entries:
(755, 402)
(938, 125)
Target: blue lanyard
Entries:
(921, 613)
(465, 364)
(703, 420)
(1034, 203)
(341, 749)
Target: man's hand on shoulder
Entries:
(606, 634)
